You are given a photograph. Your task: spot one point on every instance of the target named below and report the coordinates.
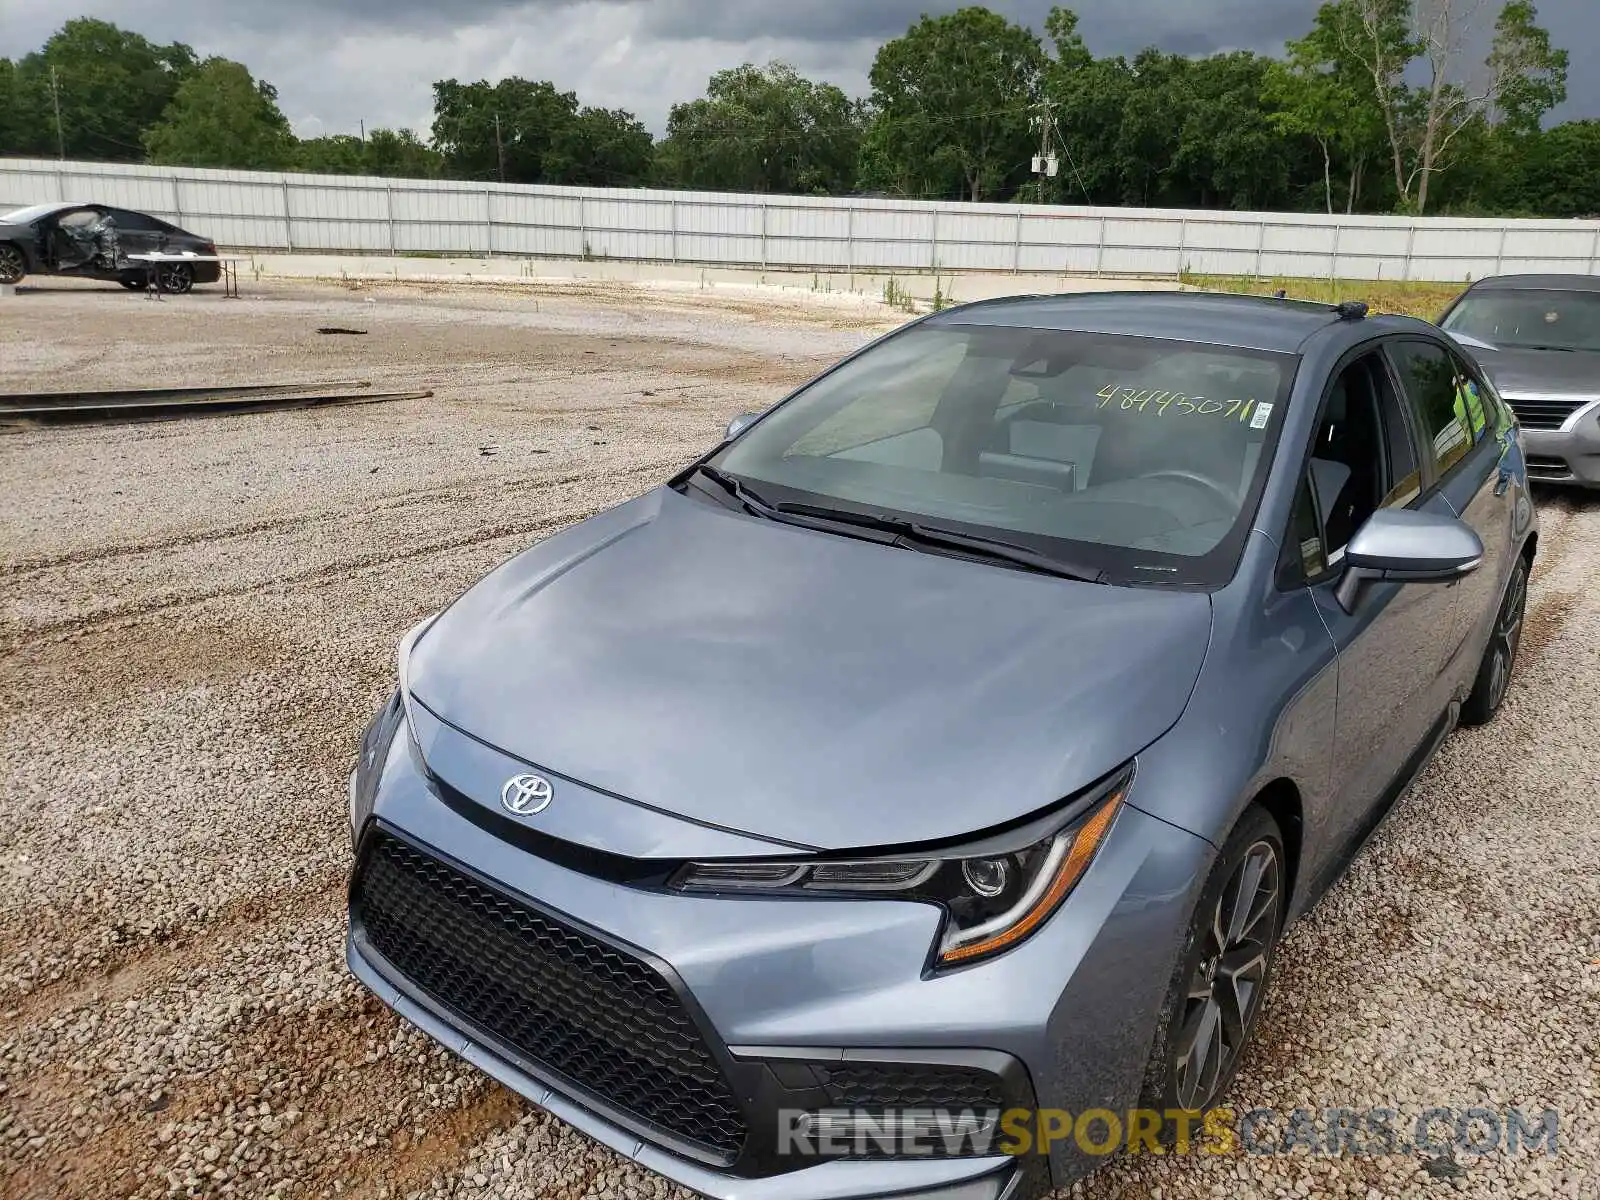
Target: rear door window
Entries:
(134, 222)
(1452, 413)
(1498, 414)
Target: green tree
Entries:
(1560, 173)
(952, 106)
(1228, 150)
(11, 139)
(111, 85)
(221, 116)
(1086, 98)
(1524, 76)
(764, 129)
(525, 131)
(601, 147)
(1528, 75)
(1149, 132)
(1321, 93)
(338, 154)
(499, 130)
(401, 154)
(1372, 40)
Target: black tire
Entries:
(1500, 655)
(176, 278)
(1223, 972)
(12, 265)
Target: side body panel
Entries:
(1263, 710)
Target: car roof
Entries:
(1537, 283)
(1216, 318)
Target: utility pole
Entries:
(1045, 163)
(499, 148)
(55, 94)
(363, 131)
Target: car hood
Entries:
(802, 686)
(1517, 372)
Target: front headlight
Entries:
(374, 749)
(995, 893)
(403, 662)
(375, 740)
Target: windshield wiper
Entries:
(739, 491)
(915, 534)
(910, 534)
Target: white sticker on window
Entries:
(1259, 418)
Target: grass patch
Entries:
(1425, 300)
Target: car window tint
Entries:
(1498, 413)
(1449, 407)
(135, 222)
(1307, 548)
(1404, 472)
(78, 218)
(1362, 458)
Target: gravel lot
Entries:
(197, 617)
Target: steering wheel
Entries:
(1220, 490)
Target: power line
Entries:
(1071, 162)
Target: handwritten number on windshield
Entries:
(1160, 403)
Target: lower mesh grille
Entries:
(591, 1014)
(912, 1085)
(965, 1098)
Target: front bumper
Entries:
(941, 1179)
(1570, 455)
(1074, 1007)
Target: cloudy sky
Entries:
(338, 62)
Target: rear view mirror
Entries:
(1403, 546)
(739, 424)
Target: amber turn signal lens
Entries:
(1085, 841)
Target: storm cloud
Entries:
(337, 63)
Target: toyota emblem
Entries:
(526, 795)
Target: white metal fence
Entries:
(286, 212)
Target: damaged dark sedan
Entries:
(97, 241)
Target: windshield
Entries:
(1139, 456)
(1529, 319)
(21, 216)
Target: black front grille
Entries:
(592, 1015)
(912, 1085)
(1544, 414)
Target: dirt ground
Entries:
(197, 617)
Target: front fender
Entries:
(1263, 710)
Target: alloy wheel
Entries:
(176, 278)
(1507, 637)
(12, 267)
(1228, 981)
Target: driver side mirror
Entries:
(739, 424)
(1400, 545)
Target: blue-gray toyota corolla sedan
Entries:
(944, 755)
